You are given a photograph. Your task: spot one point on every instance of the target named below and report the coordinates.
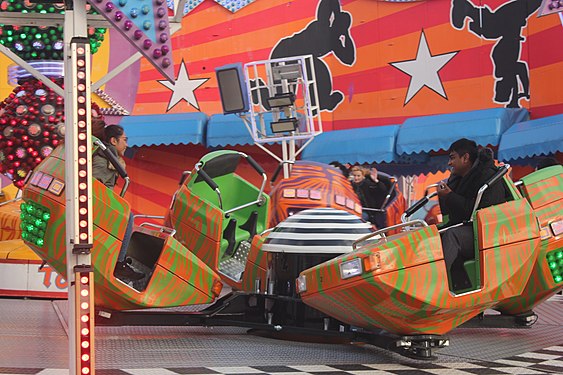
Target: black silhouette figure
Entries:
(504, 24)
(329, 33)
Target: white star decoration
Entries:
(183, 88)
(424, 69)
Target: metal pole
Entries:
(285, 158)
(78, 167)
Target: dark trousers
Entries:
(458, 246)
(126, 238)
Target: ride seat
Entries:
(472, 268)
(236, 242)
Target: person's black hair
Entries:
(547, 162)
(465, 146)
(113, 131)
(98, 128)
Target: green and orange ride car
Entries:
(174, 276)
(400, 283)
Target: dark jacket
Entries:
(371, 193)
(458, 204)
(102, 169)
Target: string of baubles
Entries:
(32, 118)
(32, 124)
(40, 42)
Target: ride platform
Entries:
(34, 340)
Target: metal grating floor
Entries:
(33, 335)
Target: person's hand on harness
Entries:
(443, 189)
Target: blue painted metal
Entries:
(360, 145)
(180, 128)
(543, 136)
(223, 130)
(434, 133)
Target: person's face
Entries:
(120, 143)
(460, 165)
(358, 176)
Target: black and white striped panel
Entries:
(318, 231)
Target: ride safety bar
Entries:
(416, 222)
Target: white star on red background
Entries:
(424, 69)
(183, 88)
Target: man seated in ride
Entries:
(471, 168)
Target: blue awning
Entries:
(223, 130)
(432, 133)
(360, 145)
(177, 128)
(532, 138)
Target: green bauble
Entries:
(20, 39)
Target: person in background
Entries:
(371, 189)
(115, 139)
(344, 168)
(471, 168)
(547, 162)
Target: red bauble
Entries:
(48, 136)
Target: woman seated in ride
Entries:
(115, 139)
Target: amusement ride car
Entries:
(367, 288)
(400, 283)
(174, 275)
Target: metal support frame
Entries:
(293, 76)
(78, 168)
